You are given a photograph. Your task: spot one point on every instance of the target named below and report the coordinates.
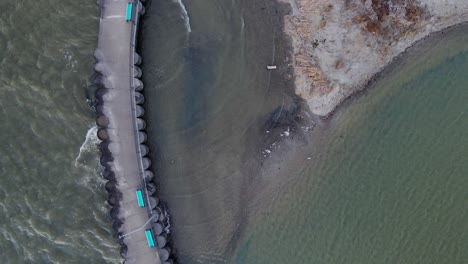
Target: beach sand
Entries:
(338, 46)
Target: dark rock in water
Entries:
(104, 148)
(153, 201)
(111, 186)
(141, 124)
(100, 67)
(105, 159)
(144, 150)
(138, 85)
(102, 121)
(114, 212)
(108, 175)
(107, 83)
(99, 108)
(142, 136)
(100, 92)
(158, 229)
(107, 167)
(123, 251)
(102, 134)
(146, 163)
(137, 72)
(98, 55)
(114, 198)
(137, 57)
(155, 214)
(139, 98)
(141, 10)
(117, 223)
(149, 175)
(139, 111)
(151, 188)
(164, 254)
(161, 240)
(157, 209)
(120, 239)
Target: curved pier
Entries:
(138, 219)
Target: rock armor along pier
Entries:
(124, 154)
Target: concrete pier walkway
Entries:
(120, 130)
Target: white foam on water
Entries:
(167, 229)
(184, 16)
(88, 146)
(71, 62)
(87, 161)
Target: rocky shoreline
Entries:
(142, 228)
(339, 46)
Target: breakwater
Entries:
(124, 155)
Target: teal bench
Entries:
(129, 12)
(149, 237)
(139, 195)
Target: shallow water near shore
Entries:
(207, 95)
(385, 179)
(381, 182)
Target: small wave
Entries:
(88, 146)
(185, 16)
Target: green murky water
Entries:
(52, 200)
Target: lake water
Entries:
(246, 181)
(52, 200)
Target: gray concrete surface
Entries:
(115, 54)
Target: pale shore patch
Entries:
(339, 45)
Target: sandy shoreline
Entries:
(285, 152)
(339, 46)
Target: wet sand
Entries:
(270, 141)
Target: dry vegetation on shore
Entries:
(339, 45)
